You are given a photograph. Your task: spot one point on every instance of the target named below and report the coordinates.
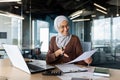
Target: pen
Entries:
(62, 50)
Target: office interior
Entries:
(29, 24)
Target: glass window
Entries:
(105, 37)
(101, 32)
(116, 31)
(41, 35)
(44, 38)
(10, 30)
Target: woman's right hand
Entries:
(60, 52)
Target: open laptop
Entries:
(18, 61)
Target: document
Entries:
(84, 75)
(84, 56)
(70, 68)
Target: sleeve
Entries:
(79, 51)
(50, 57)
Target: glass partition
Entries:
(105, 37)
(41, 35)
(10, 30)
(10, 25)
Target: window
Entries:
(41, 35)
(10, 30)
(101, 32)
(116, 31)
(105, 37)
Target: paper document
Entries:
(84, 56)
(66, 68)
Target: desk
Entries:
(2, 53)
(13, 73)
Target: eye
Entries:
(62, 27)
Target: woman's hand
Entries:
(60, 52)
(88, 60)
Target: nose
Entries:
(66, 28)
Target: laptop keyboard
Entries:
(33, 67)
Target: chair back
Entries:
(117, 49)
(87, 46)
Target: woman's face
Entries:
(64, 28)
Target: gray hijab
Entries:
(61, 40)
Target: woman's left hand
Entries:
(88, 60)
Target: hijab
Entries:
(61, 40)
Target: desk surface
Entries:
(12, 73)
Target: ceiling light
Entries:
(7, 14)
(100, 6)
(101, 11)
(19, 2)
(73, 17)
(117, 9)
(78, 20)
(9, 0)
(117, 14)
(76, 14)
(93, 15)
(16, 7)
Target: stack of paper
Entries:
(70, 68)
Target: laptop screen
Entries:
(18, 61)
(16, 57)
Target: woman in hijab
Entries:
(64, 47)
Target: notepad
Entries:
(101, 72)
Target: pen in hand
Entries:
(62, 49)
(63, 54)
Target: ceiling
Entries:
(65, 7)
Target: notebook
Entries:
(101, 72)
(18, 61)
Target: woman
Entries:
(64, 47)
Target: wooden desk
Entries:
(12, 73)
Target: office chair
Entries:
(117, 52)
(86, 46)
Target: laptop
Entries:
(18, 61)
